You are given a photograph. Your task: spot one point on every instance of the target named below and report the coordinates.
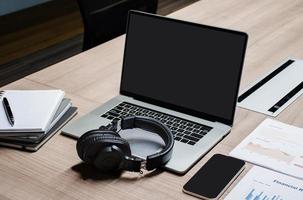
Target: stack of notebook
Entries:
(37, 116)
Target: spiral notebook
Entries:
(33, 110)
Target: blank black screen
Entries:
(190, 67)
(212, 178)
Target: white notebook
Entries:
(33, 110)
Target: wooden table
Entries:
(275, 31)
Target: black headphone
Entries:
(106, 150)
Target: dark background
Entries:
(44, 34)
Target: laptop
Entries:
(184, 74)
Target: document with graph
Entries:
(274, 145)
(263, 184)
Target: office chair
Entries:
(106, 19)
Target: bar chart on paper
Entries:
(263, 184)
(257, 195)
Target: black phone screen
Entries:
(213, 177)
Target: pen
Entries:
(8, 111)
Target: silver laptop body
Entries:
(142, 142)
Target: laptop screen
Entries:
(191, 68)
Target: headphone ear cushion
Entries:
(93, 143)
(92, 133)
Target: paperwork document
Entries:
(263, 184)
(274, 145)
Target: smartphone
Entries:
(214, 177)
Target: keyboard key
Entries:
(191, 143)
(197, 126)
(196, 131)
(189, 124)
(165, 117)
(189, 129)
(201, 127)
(180, 130)
(191, 138)
(207, 128)
(184, 140)
(175, 125)
(163, 120)
(117, 111)
(197, 135)
(114, 110)
(178, 138)
(180, 134)
(118, 107)
(200, 133)
(182, 126)
(187, 132)
(113, 114)
(177, 120)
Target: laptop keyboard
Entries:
(183, 130)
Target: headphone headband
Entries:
(155, 160)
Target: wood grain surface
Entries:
(55, 172)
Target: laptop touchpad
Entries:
(142, 143)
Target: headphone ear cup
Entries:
(96, 148)
(82, 141)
